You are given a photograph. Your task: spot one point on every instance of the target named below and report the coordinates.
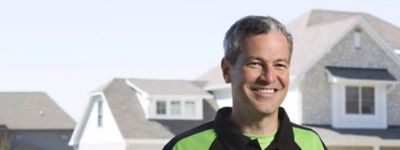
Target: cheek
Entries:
(284, 79)
(250, 76)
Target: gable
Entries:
(373, 54)
(317, 31)
(95, 129)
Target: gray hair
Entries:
(251, 26)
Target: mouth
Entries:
(265, 91)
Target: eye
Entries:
(281, 66)
(255, 64)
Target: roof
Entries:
(361, 73)
(32, 111)
(388, 31)
(130, 118)
(214, 79)
(314, 33)
(169, 87)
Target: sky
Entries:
(69, 48)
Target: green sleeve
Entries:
(307, 139)
(199, 141)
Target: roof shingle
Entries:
(131, 120)
(32, 111)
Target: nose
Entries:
(267, 76)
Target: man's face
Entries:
(260, 76)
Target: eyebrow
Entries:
(283, 60)
(260, 59)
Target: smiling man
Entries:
(256, 63)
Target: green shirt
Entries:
(222, 134)
(263, 140)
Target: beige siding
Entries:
(316, 89)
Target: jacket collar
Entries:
(232, 137)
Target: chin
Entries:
(266, 109)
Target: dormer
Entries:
(170, 99)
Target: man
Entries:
(256, 63)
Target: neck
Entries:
(265, 124)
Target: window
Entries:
(99, 101)
(190, 108)
(161, 107)
(357, 39)
(367, 105)
(19, 137)
(64, 137)
(100, 113)
(360, 100)
(352, 100)
(175, 108)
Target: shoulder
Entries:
(307, 138)
(199, 137)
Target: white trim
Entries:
(182, 116)
(147, 95)
(335, 79)
(397, 51)
(139, 90)
(342, 120)
(79, 129)
(217, 87)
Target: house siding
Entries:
(40, 139)
(316, 91)
(107, 136)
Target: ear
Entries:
(226, 70)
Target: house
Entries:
(344, 83)
(31, 120)
(143, 114)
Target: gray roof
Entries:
(32, 111)
(388, 31)
(314, 33)
(169, 87)
(130, 117)
(214, 79)
(361, 73)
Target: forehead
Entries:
(272, 43)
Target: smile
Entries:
(268, 91)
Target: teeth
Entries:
(266, 90)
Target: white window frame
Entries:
(338, 99)
(178, 110)
(360, 101)
(187, 110)
(198, 104)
